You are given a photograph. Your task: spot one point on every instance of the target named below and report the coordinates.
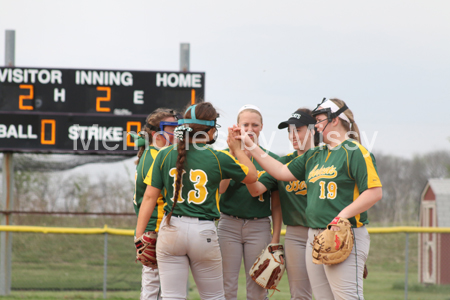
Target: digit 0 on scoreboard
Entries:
(48, 128)
(130, 127)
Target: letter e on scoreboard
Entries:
(138, 128)
(48, 131)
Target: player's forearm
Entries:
(252, 174)
(271, 165)
(277, 218)
(146, 210)
(224, 186)
(365, 201)
(257, 188)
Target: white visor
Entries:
(334, 108)
(249, 106)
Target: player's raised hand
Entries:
(244, 137)
(233, 143)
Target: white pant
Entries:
(150, 284)
(242, 238)
(295, 252)
(343, 281)
(189, 242)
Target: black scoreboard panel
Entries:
(36, 100)
(71, 133)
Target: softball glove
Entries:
(269, 267)
(146, 249)
(333, 247)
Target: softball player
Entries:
(293, 203)
(244, 227)
(157, 132)
(190, 172)
(342, 181)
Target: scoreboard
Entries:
(86, 111)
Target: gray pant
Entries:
(295, 250)
(150, 284)
(343, 281)
(189, 242)
(242, 238)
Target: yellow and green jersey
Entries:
(335, 178)
(204, 168)
(237, 200)
(292, 195)
(145, 162)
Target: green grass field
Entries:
(55, 266)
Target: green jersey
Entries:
(145, 162)
(238, 202)
(292, 195)
(335, 178)
(204, 168)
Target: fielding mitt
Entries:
(269, 267)
(333, 247)
(146, 249)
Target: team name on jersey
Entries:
(299, 187)
(323, 172)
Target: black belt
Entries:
(200, 219)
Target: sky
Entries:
(388, 60)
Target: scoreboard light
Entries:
(86, 111)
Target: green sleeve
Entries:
(268, 181)
(363, 169)
(230, 167)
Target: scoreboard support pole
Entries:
(185, 53)
(184, 57)
(8, 189)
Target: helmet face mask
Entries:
(327, 110)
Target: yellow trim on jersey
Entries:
(217, 199)
(165, 159)
(348, 164)
(328, 156)
(308, 158)
(160, 205)
(143, 164)
(148, 178)
(220, 169)
(372, 177)
(243, 167)
(358, 216)
(153, 152)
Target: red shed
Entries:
(434, 260)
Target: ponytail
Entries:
(351, 128)
(181, 158)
